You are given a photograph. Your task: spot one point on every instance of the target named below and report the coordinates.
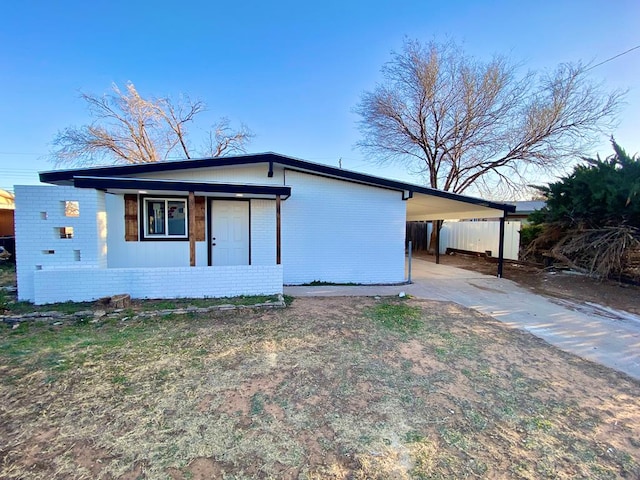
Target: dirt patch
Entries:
(561, 284)
(327, 388)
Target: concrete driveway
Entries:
(606, 336)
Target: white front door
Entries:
(229, 232)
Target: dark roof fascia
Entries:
(66, 176)
(55, 176)
(104, 183)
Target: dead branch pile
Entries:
(608, 252)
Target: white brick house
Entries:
(229, 226)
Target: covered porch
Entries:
(83, 259)
(189, 206)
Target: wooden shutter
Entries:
(131, 218)
(200, 218)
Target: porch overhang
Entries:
(172, 187)
(430, 204)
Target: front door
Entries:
(229, 232)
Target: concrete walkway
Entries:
(606, 336)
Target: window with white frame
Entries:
(165, 218)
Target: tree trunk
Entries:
(433, 239)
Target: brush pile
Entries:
(607, 252)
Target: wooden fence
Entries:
(6, 223)
(418, 233)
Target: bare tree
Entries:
(462, 123)
(128, 128)
(223, 139)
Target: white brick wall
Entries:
(38, 217)
(340, 231)
(79, 285)
(263, 232)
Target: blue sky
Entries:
(291, 71)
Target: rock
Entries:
(99, 314)
(103, 301)
(120, 301)
(83, 313)
(402, 294)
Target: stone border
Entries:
(58, 318)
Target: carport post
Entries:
(409, 260)
(501, 246)
(437, 227)
(278, 232)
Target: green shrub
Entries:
(597, 194)
(528, 233)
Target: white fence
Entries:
(472, 236)
(480, 237)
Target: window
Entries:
(165, 218)
(65, 232)
(71, 208)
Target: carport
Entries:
(428, 204)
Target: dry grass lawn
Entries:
(327, 388)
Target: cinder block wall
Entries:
(57, 227)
